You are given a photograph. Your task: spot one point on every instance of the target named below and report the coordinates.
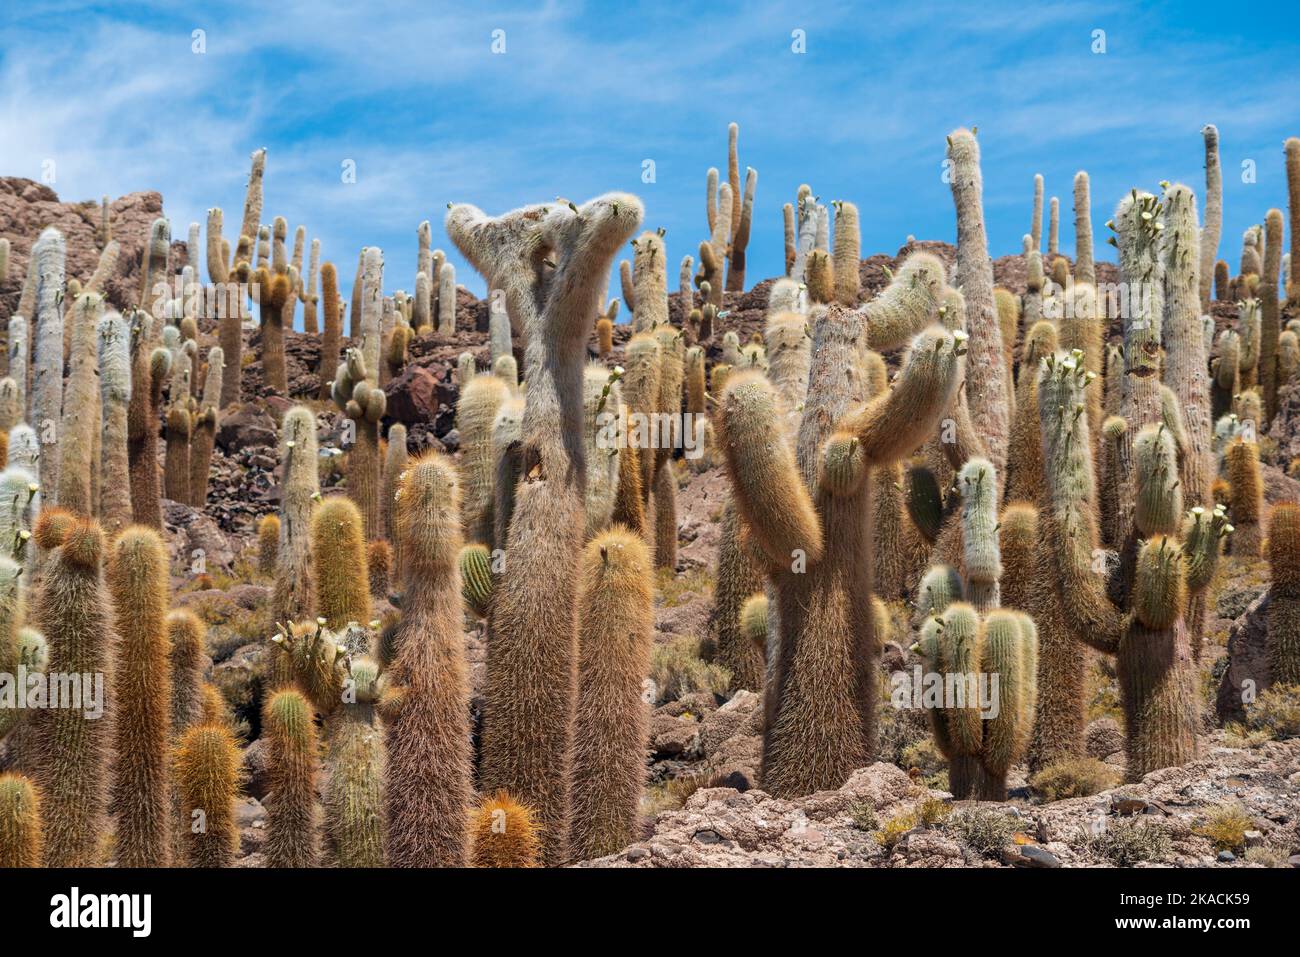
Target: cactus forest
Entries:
(642, 559)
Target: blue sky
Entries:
(584, 93)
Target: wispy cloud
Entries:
(585, 93)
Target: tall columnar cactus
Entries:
(480, 400)
(395, 459)
(150, 368)
(612, 726)
(1085, 270)
(229, 300)
(338, 550)
(742, 213)
(176, 470)
(1284, 595)
(291, 837)
(978, 484)
(1208, 248)
(1292, 149)
(294, 596)
(20, 822)
(740, 575)
(138, 586)
(48, 255)
(986, 372)
(357, 393)
(1053, 226)
(115, 380)
(531, 671)
(426, 707)
(81, 410)
(70, 766)
(268, 543)
(847, 253)
(206, 420)
(447, 300)
(649, 282)
(821, 704)
(506, 449)
(332, 332)
(1025, 450)
(1036, 223)
(1270, 325)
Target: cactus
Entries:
(268, 543)
(740, 575)
(18, 365)
(70, 763)
(507, 454)
(138, 584)
(979, 489)
(186, 639)
(1247, 503)
(604, 337)
(81, 411)
(847, 254)
(332, 328)
(338, 550)
(150, 368)
(475, 563)
(649, 282)
(480, 400)
(207, 771)
(612, 723)
(1270, 311)
(818, 277)
(395, 459)
(176, 472)
(987, 374)
(353, 799)
(47, 261)
(113, 344)
(20, 822)
(1036, 223)
(426, 712)
(1284, 595)
(532, 668)
(289, 553)
(504, 833)
(379, 565)
(206, 419)
(1150, 644)
(447, 300)
(291, 838)
(602, 402)
(1208, 247)
(821, 722)
(1085, 270)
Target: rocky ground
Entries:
(703, 806)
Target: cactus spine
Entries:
(207, 771)
(138, 585)
(427, 715)
(612, 725)
(338, 550)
